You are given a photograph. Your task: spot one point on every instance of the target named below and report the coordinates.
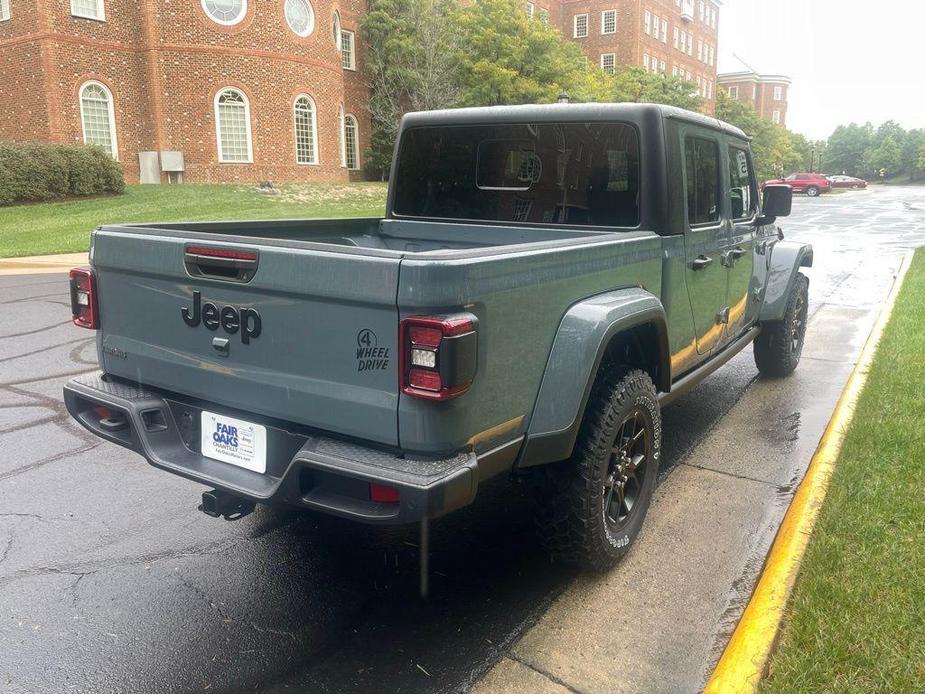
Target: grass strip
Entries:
(64, 227)
(856, 620)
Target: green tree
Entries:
(411, 61)
(887, 156)
(633, 84)
(507, 58)
(846, 148)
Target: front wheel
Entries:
(812, 191)
(780, 343)
(590, 508)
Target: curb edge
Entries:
(744, 660)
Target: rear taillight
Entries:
(438, 356)
(84, 309)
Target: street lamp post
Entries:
(812, 159)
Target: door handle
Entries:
(701, 261)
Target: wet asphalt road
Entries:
(112, 581)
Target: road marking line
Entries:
(745, 658)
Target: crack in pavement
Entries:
(45, 349)
(64, 455)
(87, 568)
(64, 374)
(36, 331)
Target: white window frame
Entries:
(100, 16)
(664, 34)
(712, 55)
(690, 44)
(700, 50)
(311, 25)
(314, 125)
(247, 127)
(111, 112)
(531, 8)
(775, 117)
(4, 10)
(677, 34)
(662, 67)
(645, 62)
(222, 22)
(575, 19)
(778, 93)
(613, 63)
(733, 91)
(604, 15)
(647, 22)
(353, 48)
(544, 16)
(336, 29)
(356, 141)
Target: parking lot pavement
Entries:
(111, 580)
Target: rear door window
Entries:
(701, 160)
(540, 173)
(742, 189)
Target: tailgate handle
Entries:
(229, 264)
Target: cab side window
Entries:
(741, 191)
(701, 160)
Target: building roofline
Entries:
(748, 76)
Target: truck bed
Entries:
(393, 237)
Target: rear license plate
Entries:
(234, 441)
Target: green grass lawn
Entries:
(856, 622)
(64, 227)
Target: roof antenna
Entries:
(750, 68)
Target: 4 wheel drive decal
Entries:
(230, 318)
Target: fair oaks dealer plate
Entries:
(234, 441)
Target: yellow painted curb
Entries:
(743, 663)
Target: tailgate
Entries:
(308, 336)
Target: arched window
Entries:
(300, 16)
(351, 143)
(306, 134)
(233, 126)
(226, 12)
(335, 28)
(98, 118)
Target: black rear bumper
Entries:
(303, 468)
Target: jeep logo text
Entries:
(230, 318)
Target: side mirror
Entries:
(778, 200)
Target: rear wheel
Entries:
(590, 508)
(780, 343)
(812, 191)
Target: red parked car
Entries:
(810, 183)
(842, 181)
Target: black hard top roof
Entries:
(538, 113)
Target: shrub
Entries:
(34, 171)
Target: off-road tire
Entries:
(812, 191)
(780, 343)
(570, 496)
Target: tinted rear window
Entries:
(545, 173)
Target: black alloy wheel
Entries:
(626, 471)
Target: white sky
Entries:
(850, 60)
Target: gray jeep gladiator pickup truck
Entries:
(545, 279)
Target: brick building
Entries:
(767, 94)
(243, 89)
(246, 90)
(668, 37)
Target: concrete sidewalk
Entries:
(40, 264)
(658, 621)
